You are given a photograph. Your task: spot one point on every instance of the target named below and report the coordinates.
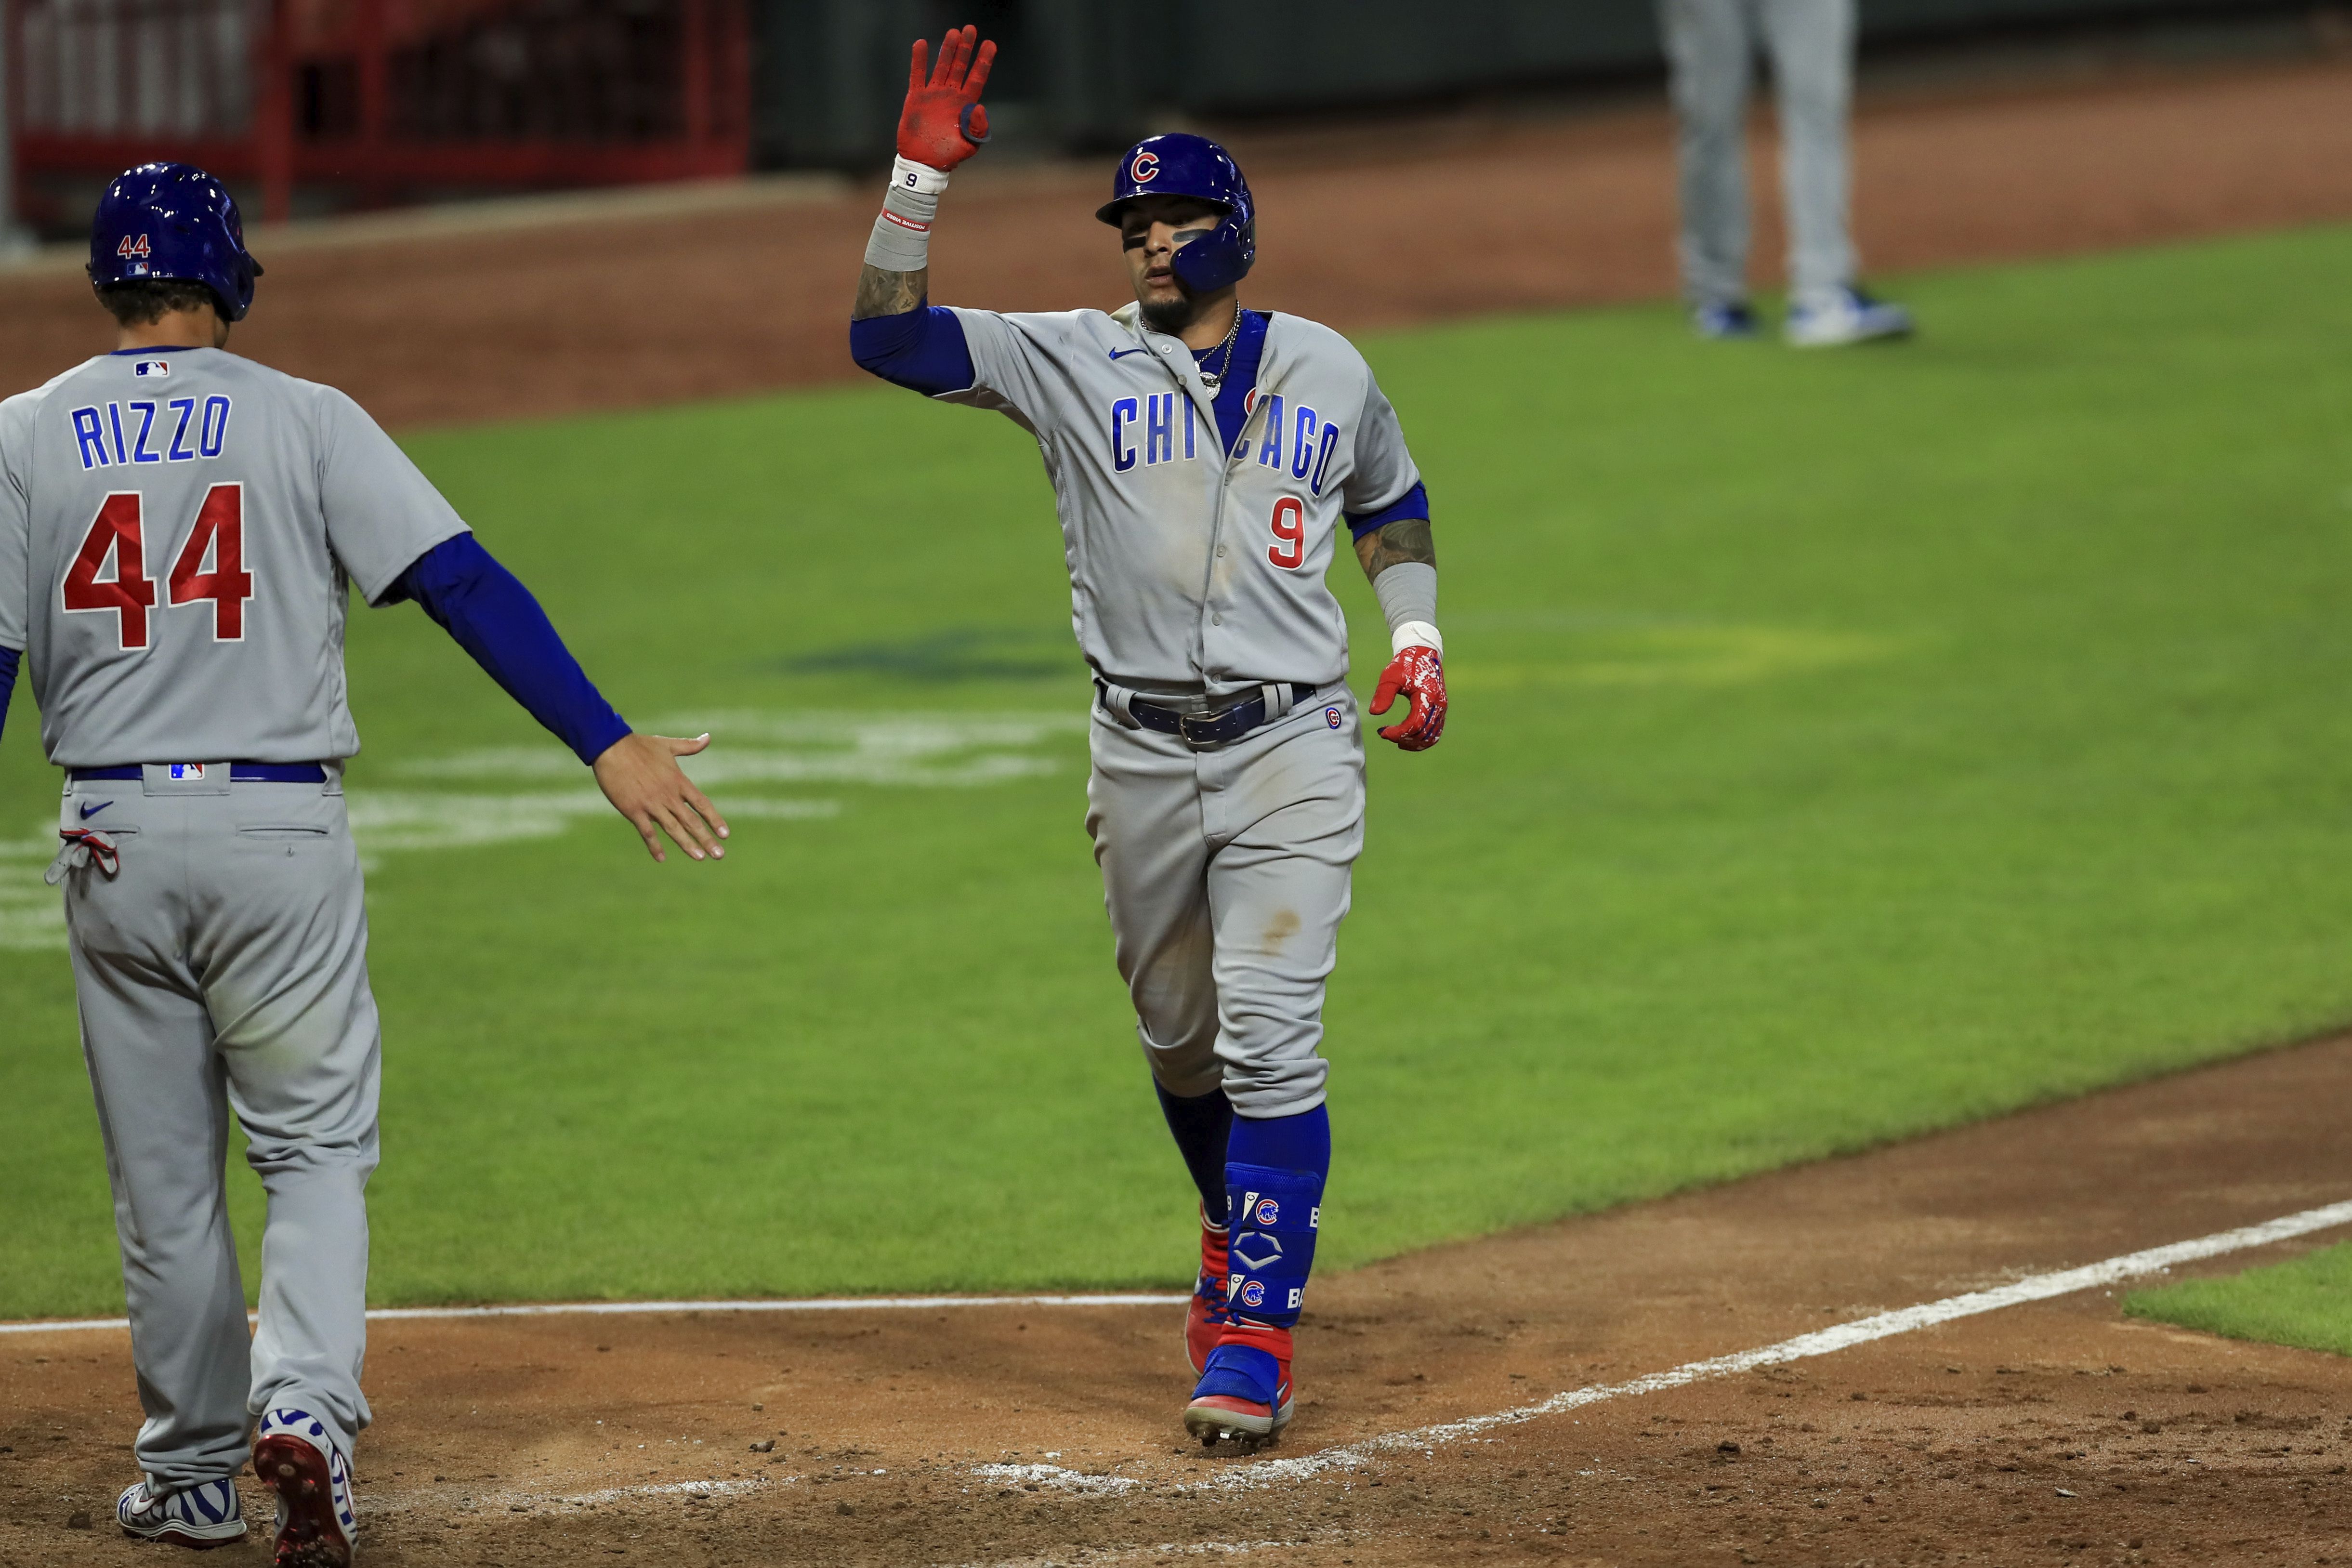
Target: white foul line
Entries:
(1821, 1341)
(638, 1309)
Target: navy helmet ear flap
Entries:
(1182, 164)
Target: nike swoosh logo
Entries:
(1116, 353)
(89, 811)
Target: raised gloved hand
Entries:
(944, 121)
(1417, 673)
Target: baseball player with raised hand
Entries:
(179, 528)
(1206, 461)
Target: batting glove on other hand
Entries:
(1417, 673)
(944, 121)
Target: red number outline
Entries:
(117, 532)
(1294, 535)
(220, 527)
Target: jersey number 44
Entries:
(108, 574)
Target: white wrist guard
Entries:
(1416, 633)
(901, 241)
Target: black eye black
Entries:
(1130, 242)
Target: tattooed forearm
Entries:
(881, 293)
(1400, 542)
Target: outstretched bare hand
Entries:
(943, 122)
(640, 775)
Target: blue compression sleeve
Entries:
(922, 349)
(1413, 503)
(493, 617)
(8, 657)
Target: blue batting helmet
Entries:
(174, 221)
(1181, 164)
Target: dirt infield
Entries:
(743, 288)
(2056, 1432)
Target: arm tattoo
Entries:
(881, 293)
(1402, 540)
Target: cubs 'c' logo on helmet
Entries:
(1145, 169)
(1268, 1211)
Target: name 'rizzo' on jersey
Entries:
(1191, 565)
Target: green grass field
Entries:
(1843, 746)
(2305, 1303)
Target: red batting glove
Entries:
(1417, 673)
(943, 120)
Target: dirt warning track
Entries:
(2050, 1430)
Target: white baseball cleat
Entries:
(294, 1456)
(1832, 318)
(202, 1516)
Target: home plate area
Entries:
(1439, 1415)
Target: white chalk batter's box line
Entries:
(1426, 1439)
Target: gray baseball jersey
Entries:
(177, 528)
(1190, 567)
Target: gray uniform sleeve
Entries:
(16, 523)
(382, 511)
(1384, 469)
(1005, 367)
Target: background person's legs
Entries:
(1710, 52)
(1811, 47)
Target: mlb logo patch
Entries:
(1331, 717)
(152, 367)
(189, 772)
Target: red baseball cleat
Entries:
(1244, 1392)
(296, 1459)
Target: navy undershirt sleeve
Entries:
(493, 617)
(1413, 503)
(922, 349)
(8, 657)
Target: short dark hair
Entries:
(146, 301)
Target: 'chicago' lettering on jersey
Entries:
(1144, 432)
(147, 430)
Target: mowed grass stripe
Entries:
(1844, 745)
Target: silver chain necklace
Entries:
(1232, 335)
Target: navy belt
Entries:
(238, 773)
(1218, 725)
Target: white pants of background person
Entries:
(1711, 46)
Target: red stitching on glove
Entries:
(934, 128)
(101, 848)
(1418, 673)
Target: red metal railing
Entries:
(382, 99)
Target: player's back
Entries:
(191, 522)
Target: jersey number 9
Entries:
(1288, 549)
(119, 531)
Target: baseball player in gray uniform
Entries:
(178, 531)
(1206, 462)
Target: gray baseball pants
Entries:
(1226, 872)
(225, 967)
(1711, 47)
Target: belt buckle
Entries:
(1184, 729)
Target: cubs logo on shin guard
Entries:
(1270, 1241)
